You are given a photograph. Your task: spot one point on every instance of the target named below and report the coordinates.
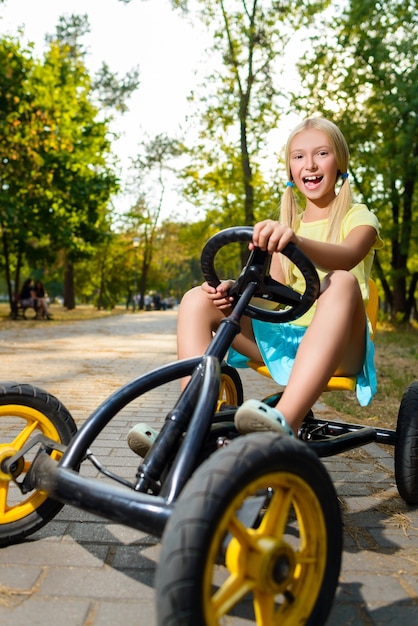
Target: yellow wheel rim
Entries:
(18, 424)
(280, 562)
(227, 392)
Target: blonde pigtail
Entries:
(289, 215)
(339, 209)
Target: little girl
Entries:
(333, 336)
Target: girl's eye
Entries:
(323, 153)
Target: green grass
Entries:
(396, 358)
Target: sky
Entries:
(148, 34)
(144, 33)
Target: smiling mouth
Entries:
(312, 181)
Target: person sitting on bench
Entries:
(41, 301)
(27, 295)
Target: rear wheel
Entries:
(257, 533)
(26, 411)
(406, 445)
(231, 392)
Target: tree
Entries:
(109, 90)
(55, 180)
(104, 278)
(25, 138)
(178, 248)
(241, 101)
(94, 149)
(362, 71)
(58, 173)
(150, 167)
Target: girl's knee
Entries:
(195, 297)
(195, 302)
(341, 281)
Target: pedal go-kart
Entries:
(250, 525)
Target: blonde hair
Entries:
(290, 210)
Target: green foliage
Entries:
(361, 71)
(176, 257)
(111, 90)
(57, 169)
(70, 30)
(217, 188)
(240, 103)
(105, 278)
(156, 158)
(80, 178)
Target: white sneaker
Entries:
(254, 415)
(141, 437)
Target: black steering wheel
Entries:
(293, 304)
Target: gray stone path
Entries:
(84, 571)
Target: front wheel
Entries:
(26, 411)
(256, 532)
(406, 445)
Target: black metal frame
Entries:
(192, 430)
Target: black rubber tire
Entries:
(190, 553)
(22, 407)
(406, 445)
(231, 392)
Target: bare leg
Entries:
(40, 312)
(333, 343)
(198, 319)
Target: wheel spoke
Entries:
(230, 593)
(238, 584)
(277, 514)
(4, 490)
(264, 606)
(245, 536)
(306, 559)
(24, 435)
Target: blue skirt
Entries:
(278, 344)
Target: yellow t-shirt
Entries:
(358, 215)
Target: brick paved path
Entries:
(84, 571)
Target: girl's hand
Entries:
(272, 236)
(219, 295)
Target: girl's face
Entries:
(313, 166)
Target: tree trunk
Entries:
(247, 178)
(143, 284)
(411, 306)
(7, 271)
(69, 299)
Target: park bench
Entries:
(19, 310)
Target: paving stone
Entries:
(40, 611)
(82, 570)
